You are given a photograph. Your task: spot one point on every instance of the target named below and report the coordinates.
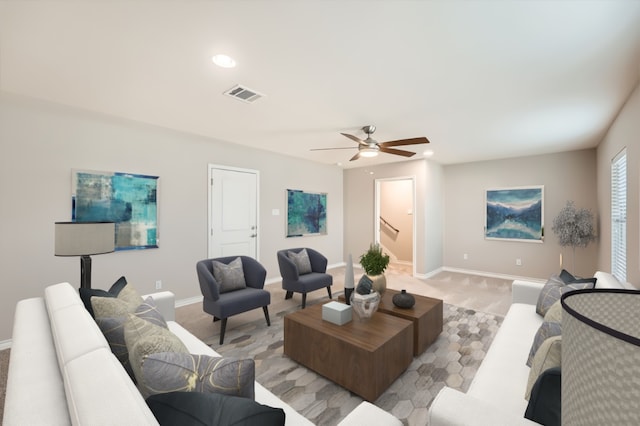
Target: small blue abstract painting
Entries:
(306, 213)
(515, 214)
(129, 200)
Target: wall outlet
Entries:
(158, 285)
(465, 256)
(518, 262)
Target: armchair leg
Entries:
(223, 327)
(266, 315)
(304, 300)
(329, 291)
(289, 295)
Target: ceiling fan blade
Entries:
(399, 142)
(353, 138)
(355, 157)
(397, 151)
(326, 149)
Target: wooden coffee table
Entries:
(364, 357)
(426, 316)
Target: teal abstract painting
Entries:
(129, 200)
(515, 214)
(306, 213)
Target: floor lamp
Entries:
(84, 239)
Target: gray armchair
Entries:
(293, 281)
(222, 305)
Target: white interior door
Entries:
(233, 212)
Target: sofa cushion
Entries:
(301, 260)
(546, 330)
(144, 338)
(502, 375)
(548, 356)
(113, 330)
(99, 392)
(170, 371)
(199, 409)
(69, 319)
(87, 293)
(545, 404)
(229, 276)
(554, 289)
(608, 281)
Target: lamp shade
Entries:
(84, 238)
(601, 357)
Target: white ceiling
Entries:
(480, 79)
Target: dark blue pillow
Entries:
(568, 278)
(87, 293)
(212, 409)
(545, 402)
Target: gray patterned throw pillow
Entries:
(301, 259)
(144, 338)
(113, 330)
(553, 291)
(171, 372)
(547, 329)
(231, 276)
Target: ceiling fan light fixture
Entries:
(368, 151)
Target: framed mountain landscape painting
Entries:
(515, 214)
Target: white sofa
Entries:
(62, 371)
(496, 394)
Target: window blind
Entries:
(619, 216)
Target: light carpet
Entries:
(451, 360)
(474, 307)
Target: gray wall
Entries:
(359, 202)
(625, 132)
(40, 144)
(565, 176)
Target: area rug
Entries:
(452, 360)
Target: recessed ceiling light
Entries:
(428, 153)
(224, 61)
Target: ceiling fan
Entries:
(370, 147)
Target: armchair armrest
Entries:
(165, 300)
(454, 408)
(525, 292)
(288, 269)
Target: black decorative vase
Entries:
(347, 295)
(403, 300)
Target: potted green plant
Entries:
(574, 228)
(375, 262)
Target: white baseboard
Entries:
(5, 344)
(429, 274)
(189, 301)
(491, 274)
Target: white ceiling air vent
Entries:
(243, 94)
